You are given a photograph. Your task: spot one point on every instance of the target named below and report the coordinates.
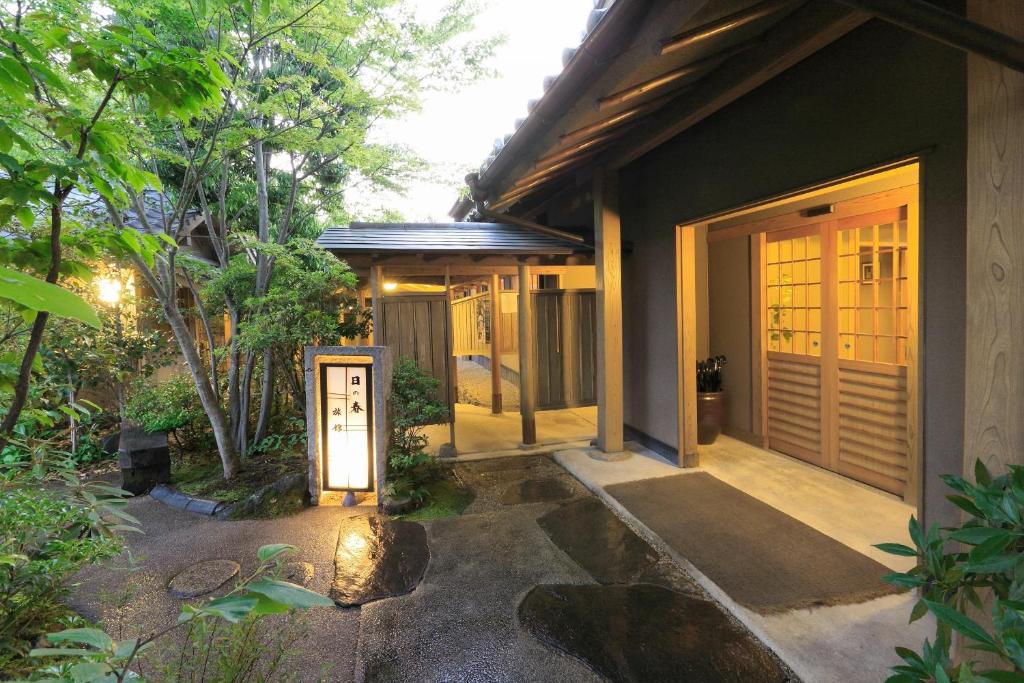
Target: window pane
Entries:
(814, 270)
(799, 295)
(885, 234)
(903, 318)
(884, 265)
(799, 248)
(866, 235)
(814, 319)
(846, 344)
(886, 321)
(773, 252)
(800, 342)
(814, 344)
(786, 273)
(903, 233)
(814, 295)
(886, 347)
(799, 271)
(865, 320)
(813, 246)
(786, 250)
(773, 296)
(846, 242)
(865, 347)
(847, 294)
(786, 318)
(886, 294)
(800, 319)
(773, 274)
(786, 342)
(846, 320)
(787, 295)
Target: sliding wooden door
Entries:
(840, 334)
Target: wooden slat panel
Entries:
(873, 427)
(794, 408)
(416, 328)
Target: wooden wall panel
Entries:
(994, 392)
(416, 327)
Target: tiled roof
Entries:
(414, 238)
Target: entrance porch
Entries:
(848, 642)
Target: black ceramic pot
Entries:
(711, 416)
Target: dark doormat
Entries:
(762, 558)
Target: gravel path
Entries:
(475, 387)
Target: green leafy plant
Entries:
(413, 404)
(709, 374)
(966, 572)
(51, 525)
(89, 655)
(171, 406)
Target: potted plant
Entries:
(711, 400)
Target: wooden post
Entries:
(527, 359)
(608, 261)
(758, 327)
(686, 343)
(994, 400)
(377, 306)
(496, 344)
(453, 362)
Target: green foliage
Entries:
(51, 525)
(413, 404)
(171, 406)
(446, 497)
(962, 569)
(219, 635)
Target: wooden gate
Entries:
(566, 321)
(416, 327)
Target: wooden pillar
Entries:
(686, 343)
(608, 261)
(758, 347)
(527, 359)
(377, 306)
(453, 362)
(994, 400)
(496, 344)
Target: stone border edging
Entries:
(174, 498)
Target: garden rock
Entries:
(202, 578)
(287, 495)
(144, 458)
(378, 558)
(298, 572)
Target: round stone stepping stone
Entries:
(202, 578)
(588, 532)
(646, 633)
(542, 490)
(378, 558)
(298, 572)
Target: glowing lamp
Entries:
(390, 286)
(108, 290)
(346, 421)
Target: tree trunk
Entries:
(230, 460)
(244, 396)
(266, 397)
(233, 369)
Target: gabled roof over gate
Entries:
(445, 238)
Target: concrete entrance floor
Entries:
(478, 431)
(839, 643)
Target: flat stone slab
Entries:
(588, 532)
(541, 490)
(202, 578)
(378, 558)
(298, 572)
(646, 633)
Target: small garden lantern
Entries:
(346, 396)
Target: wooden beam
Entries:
(994, 401)
(608, 256)
(669, 78)
(535, 227)
(527, 359)
(495, 344)
(377, 308)
(686, 344)
(952, 29)
(805, 31)
(721, 26)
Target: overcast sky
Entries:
(455, 131)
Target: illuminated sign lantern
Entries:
(347, 390)
(346, 403)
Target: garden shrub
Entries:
(414, 403)
(965, 572)
(51, 525)
(171, 406)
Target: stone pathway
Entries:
(475, 387)
(536, 581)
